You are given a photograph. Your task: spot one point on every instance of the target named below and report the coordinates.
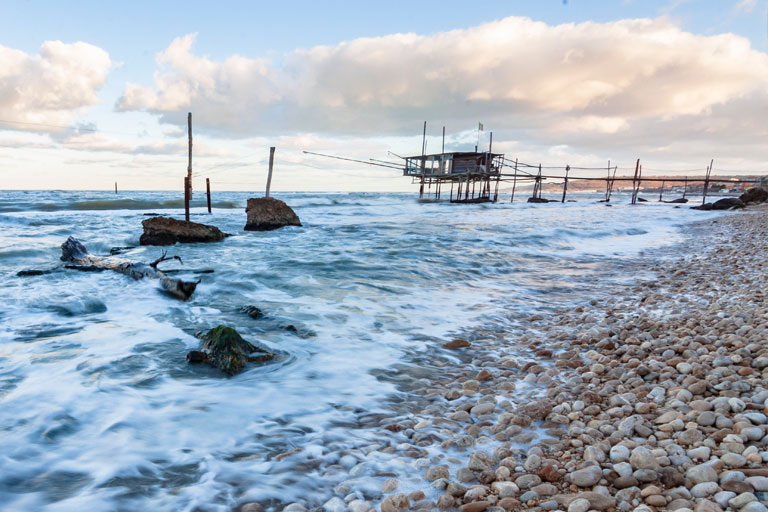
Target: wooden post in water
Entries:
(565, 182)
(186, 198)
(208, 192)
(115, 187)
(608, 184)
(514, 184)
(685, 187)
(661, 192)
(706, 181)
(634, 182)
(269, 174)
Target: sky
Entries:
(93, 93)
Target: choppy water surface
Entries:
(99, 409)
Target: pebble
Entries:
(704, 489)
(586, 477)
(579, 505)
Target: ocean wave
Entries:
(115, 204)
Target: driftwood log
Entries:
(75, 252)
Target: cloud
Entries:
(594, 77)
(745, 6)
(51, 87)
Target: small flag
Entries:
(480, 126)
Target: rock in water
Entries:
(727, 203)
(268, 213)
(225, 349)
(168, 231)
(754, 195)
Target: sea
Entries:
(99, 409)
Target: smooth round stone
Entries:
(528, 496)
(757, 418)
(753, 433)
(706, 418)
(742, 499)
(619, 453)
(623, 469)
(701, 453)
(684, 368)
(723, 497)
(579, 505)
(754, 506)
(645, 475)
(704, 489)
(759, 483)
(701, 473)
(731, 476)
(734, 460)
(656, 500)
(586, 477)
(642, 458)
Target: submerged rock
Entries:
(252, 311)
(268, 213)
(679, 200)
(541, 200)
(726, 203)
(225, 349)
(168, 231)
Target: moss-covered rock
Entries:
(228, 351)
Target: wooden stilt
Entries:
(186, 198)
(269, 173)
(634, 182)
(706, 181)
(514, 184)
(208, 192)
(661, 192)
(685, 187)
(565, 182)
(115, 187)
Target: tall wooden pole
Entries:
(189, 164)
(565, 182)
(269, 175)
(208, 192)
(634, 182)
(706, 181)
(443, 150)
(115, 187)
(514, 184)
(186, 197)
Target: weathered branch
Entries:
(72, 250)
(164, 258)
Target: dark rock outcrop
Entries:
(168, 231)
(727, 203)
(225, 349)
(679, 200)
(268, 213)
(754, 195)
(541, 200)
(252, 311)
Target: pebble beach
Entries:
(652, 398)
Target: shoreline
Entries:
(651, 399)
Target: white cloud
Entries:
(51, 87)
(745, 6)
(598, 77)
